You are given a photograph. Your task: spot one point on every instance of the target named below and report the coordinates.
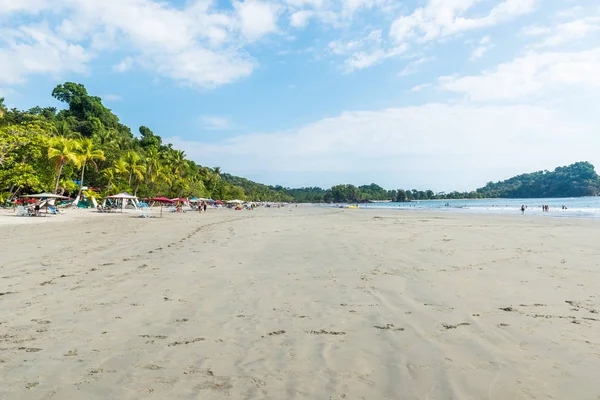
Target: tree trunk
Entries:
(81, 182)
(212, 193)
(136, 188)
(58, 177)
(130, 176)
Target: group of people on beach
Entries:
(202, 207)
(545, 208)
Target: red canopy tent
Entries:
(161, 200)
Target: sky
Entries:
(425, 94)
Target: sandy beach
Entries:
(299, 303)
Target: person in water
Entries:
(523, 209)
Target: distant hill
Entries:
(576, 180)
(257, 191)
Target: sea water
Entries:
(583, 207)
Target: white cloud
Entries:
(564, 32)
(530, 75)
(214, 123)
(413, 67)
(535, 30)
(484, 45)
(364, 52)
(178, 43)
(124, 65)
(421, 87)
(37, 50)
(440, 18)
(257, 18)
(201, 67)
(440, 146)
(300, 19)
(111, 97)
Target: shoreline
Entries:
(571, 213)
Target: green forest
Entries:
(85, 145)
(576, 180)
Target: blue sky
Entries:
(441, 94)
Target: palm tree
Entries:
(216, 177)
(109, 174)
(178, 162)
(133, 164)
(121, 167)
(138, 172)
(61, 151)
(106, 139)
(2, 107)
(86, 152)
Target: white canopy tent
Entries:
(48, 198)
(235, 202)
(45, 196)
(125, 198)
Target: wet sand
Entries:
(299, 303)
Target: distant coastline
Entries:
(576, 180)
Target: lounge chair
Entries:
(144, 212)
(23, 212)
(53, 210)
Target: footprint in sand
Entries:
(389, 327)
(324, 332)
(30, 349)
(274, 333)
(152, 367)
(449, 326)
(200, 339)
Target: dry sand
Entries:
(299, 303)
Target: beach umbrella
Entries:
(180, 199)
(161, 200)
(219, 202)
(235, 201)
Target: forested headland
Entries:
(85, 145)
(575, 180)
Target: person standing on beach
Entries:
(200, 208)
(523, 209)
(204, 206)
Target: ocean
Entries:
(578, 207)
